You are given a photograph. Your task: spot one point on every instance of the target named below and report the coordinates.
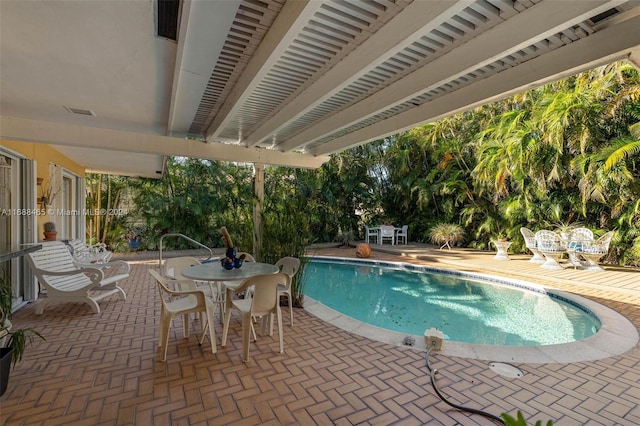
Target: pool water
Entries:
(464, 309)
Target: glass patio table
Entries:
(213, 272)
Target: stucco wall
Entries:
(43, 155)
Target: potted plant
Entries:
(134, 236)
(50, 233)
(446, 234)
(12, 342)
(565, 228)
(347, 238)
(49, 193)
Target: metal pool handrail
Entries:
(184, 237)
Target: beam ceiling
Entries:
(279, 81)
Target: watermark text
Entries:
(63, 212)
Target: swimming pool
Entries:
(616, 336)
(410, 299)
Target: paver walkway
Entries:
(105, 369)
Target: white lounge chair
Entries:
(89, 253)
(67, 280)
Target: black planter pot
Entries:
(5, 366)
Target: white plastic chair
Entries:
(371, 233)
(246, 256)
(290, 266)
(387, 232)
(403, 235)
(530, 243)
(182, 303)
(173, 268)
(264, 303)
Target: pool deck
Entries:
(104, 369)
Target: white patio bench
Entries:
(67, 280)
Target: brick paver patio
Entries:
(105, 370)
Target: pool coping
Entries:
(616, 336)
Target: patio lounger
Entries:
(89, 253)
(67, 280)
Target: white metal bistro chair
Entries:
(532, 245)
(577, 238)
(550, 245)
(593, 251)
(89, 253)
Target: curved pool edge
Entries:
(617, 335)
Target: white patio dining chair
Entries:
(246, 257)
(530, 243)
(290, 266)
(173, 268)
(247, 293)
(387, 232)
(371, 233)
(182, 303)
(403, 235)
(264, 303)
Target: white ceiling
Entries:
(279, 81)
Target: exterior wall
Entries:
(44, 155)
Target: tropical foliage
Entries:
(519, 420)
(562, 153)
